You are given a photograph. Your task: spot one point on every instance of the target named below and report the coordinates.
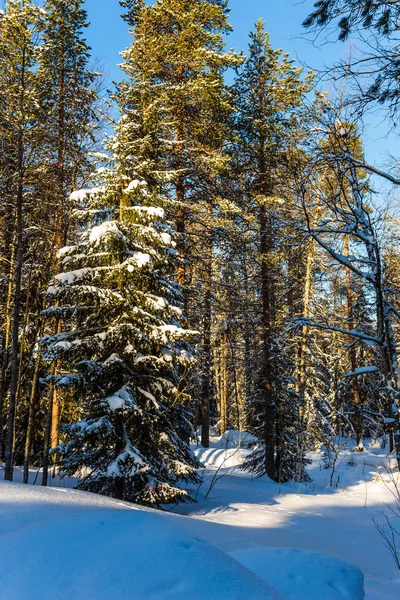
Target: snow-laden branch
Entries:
(343, 260)
(362, 371)
(354, 333)
(374, 170)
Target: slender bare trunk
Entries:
(31, 417)
(270, 412)
(388, 352)
(180, 192)
(225, 384)
(8, 474)
(303, 410)
(357, 423)
(47, 433)
(247, 338)
(207, 315)
(235, 382)
(60, 227)
(180, 229)
(6, 343)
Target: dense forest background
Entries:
(179, 253)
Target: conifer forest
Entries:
(199, 306)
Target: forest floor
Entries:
(246, 517)
(308, 541)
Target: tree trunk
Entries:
(47, 434)
(225, 383)
(31, 418)
(119, 447)
(303, 410)
(247, 339)
(357, 423)
(388, 351)
(207, 315)
(8, 474)
(235, 382)
(270, 412)
(180, 229)
(60, 226)
(180, 192)
(217, 369)
(6, 343)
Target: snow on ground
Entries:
(62, 544)
(242, 513)
(318, 575)
(309, 541)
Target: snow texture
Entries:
(101, 231)
(237, 512)
(362, 371)
(317, 575)
(307, 541)
(65, 544)
(81, 195)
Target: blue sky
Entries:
(108, 35)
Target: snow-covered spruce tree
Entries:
(123, 351)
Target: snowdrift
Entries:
(226, 452)
(70, 545)
(302, 574)
(237, 439)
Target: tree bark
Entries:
(8, 473)
(47, 434)
(357, 423)
(270, 412)
(225, 383)
(6, 343)
(303, 410)
(247, 338)
(59, 230)
(207, 315)
(31, 418)
(235, 381)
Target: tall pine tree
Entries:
(268, 91)
(66, 106)
(175, 73)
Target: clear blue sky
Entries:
(108, 35)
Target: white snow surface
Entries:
(318, 576)
(243, 539)
(134, 185)
(101, 231)
(141, 258)
(80, 195)
(255, 518)
(363, 371)
(63, 544)
(120, 399)
(233, 438)
(151, 211)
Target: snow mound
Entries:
(304, 575)
(65, 544)
(238, 439)
(226, 452)
(220, 458)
